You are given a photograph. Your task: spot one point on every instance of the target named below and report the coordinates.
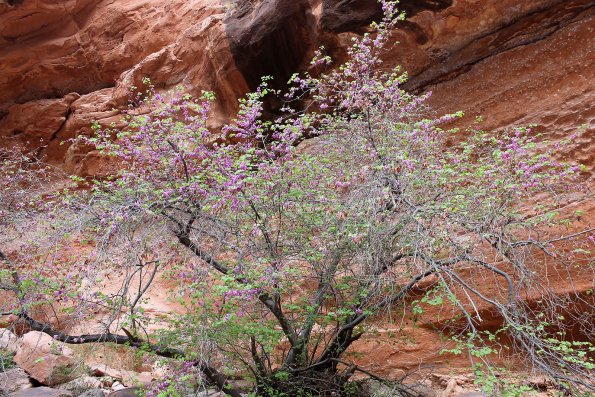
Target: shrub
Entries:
(282, 254)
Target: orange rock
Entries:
(475, 56)
(44, 359)
(104, 370)
(34, 124)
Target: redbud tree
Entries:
(284, 236)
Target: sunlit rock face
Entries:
(66, 63)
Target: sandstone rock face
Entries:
(66, 64)
(98, 49)
(34, 124)
(44, 359)
(270, 38)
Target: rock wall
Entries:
(64, 64)
(78, 59)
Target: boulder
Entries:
(81, 385)
(42, 392)
(8, 341)
(539, 382)
(135, 378)
(126, 392)
(93, 393)
(125, 377)
(14, 380)
(375, 388)
(117, 386)
(104, 370)
(106, 381)
(44, 359)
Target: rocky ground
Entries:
(34, 365)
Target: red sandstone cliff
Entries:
(66, 63)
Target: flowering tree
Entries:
(282, 253)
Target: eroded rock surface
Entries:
(66, 64)
(97, 50)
